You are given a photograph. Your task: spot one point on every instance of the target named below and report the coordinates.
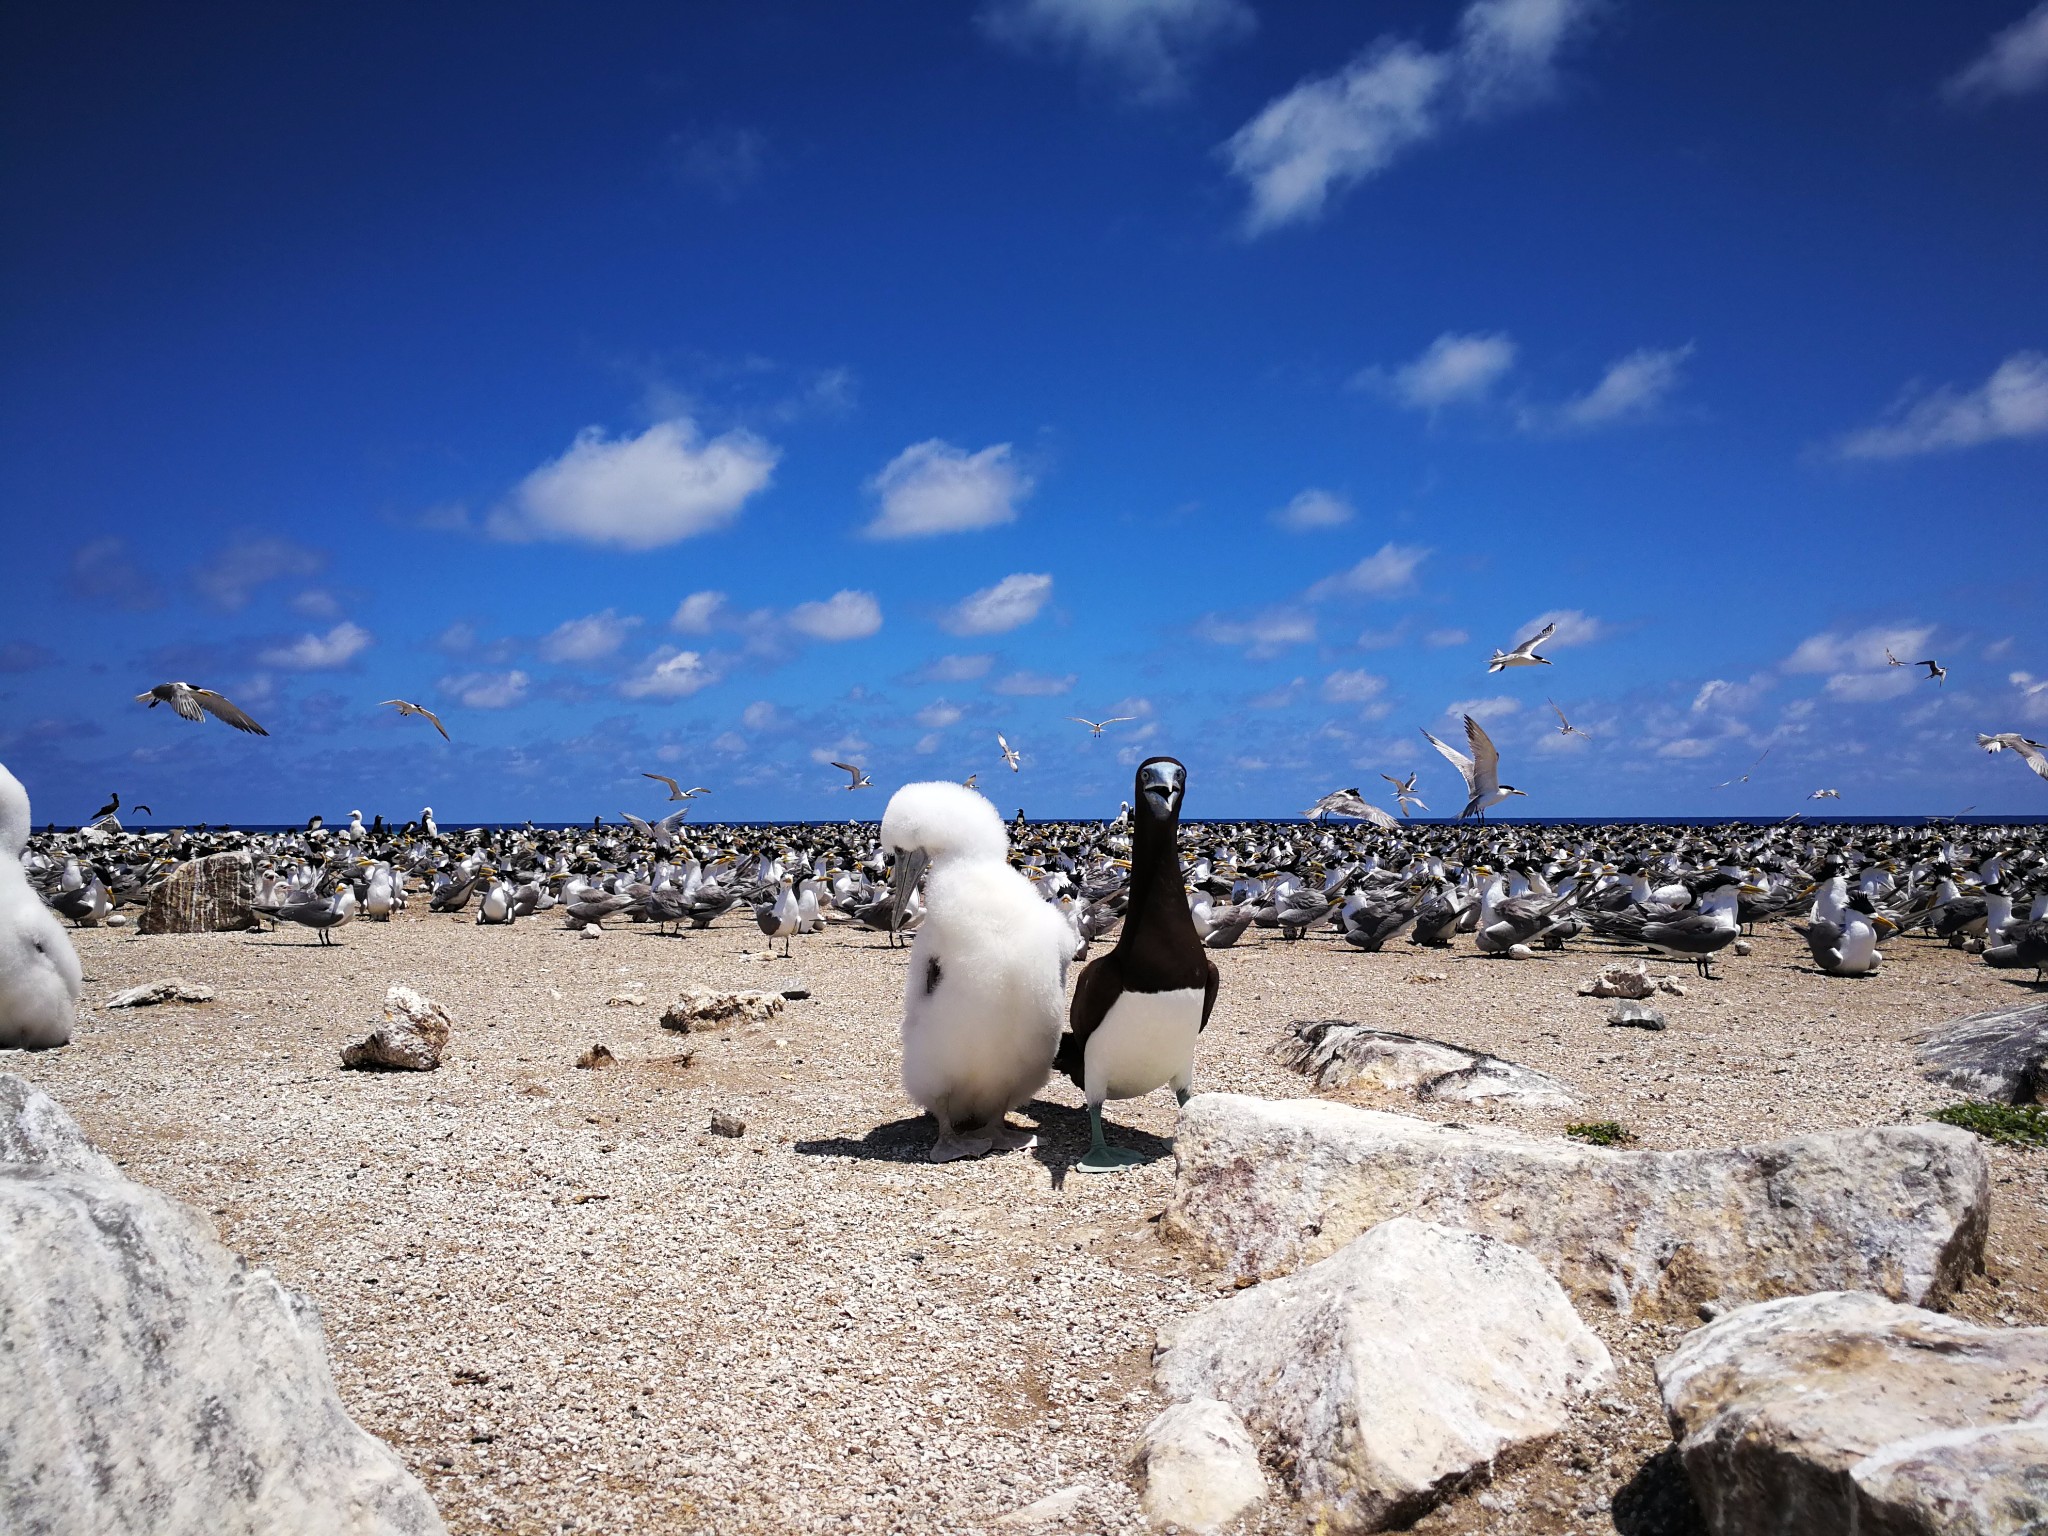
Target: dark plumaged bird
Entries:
(197, 703)
(113, 804)
(1138, 1010)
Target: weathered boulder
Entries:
(1410, 1365)
(702, 1008)
(171, 989)
(149, 1381)
(1265, 1187)
(1336, 1053)
(214, 894)
(411, 1038)
(1841, 1413)
(1623, 979)
(1197, 1468)
(2001, 1055)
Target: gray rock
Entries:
(1265, 1187)
(411, 1038)
(1409, 1366)
(1197, 1468)
(1839, 1413)
(172, 989)
(2001, 1055)
(1635, 1016)
(216, 894)
(1337, 1053)
(151, 1382)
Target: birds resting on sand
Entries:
(981, 1006)
(406, 707)
(860, 779)
(1138, 1010)
(2032, 753)
(1523, 655)
(1481, 770)
(197, 703)
(40, 977)
(675, 790)
(1349, 802)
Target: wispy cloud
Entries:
(2032, 693)
(933, 487)
(1573, 628)
(590, 638)
(1632, 388)
(1832, 651)
(957, 669)
(1333, 131)
(1452, 370)
(1263, 634)
(230, 577)
(1033, 685)
(1444, 639)
(102, 571)
(2014, 63)
(1151, 44)
(2012, 403)
(1313, 509)
(1390, 568)
(487, 690)
(1010, 604)
(845, 615)
(638, 493)
(320, 653)
(697, 614)
(1356, 686)
(1499, 707)
(669, 673)
(727, 160)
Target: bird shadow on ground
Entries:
(284, 943)
(1063, 1139)
(1658, 1500)
(898, 1141)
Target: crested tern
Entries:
(1564, 726)
(1523, 655)
(1935, 670)
(407, 707)
(1011, 757)
(194, 703)
(1348, 802)
(860, 779)
(675, 790)
(1481, 771)
(2032, 753)
(1743, 778)
(1404, 792)
(1095, 726)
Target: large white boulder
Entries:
(1841, 1413)
(1408, 1366)
(150, 1382)
(1267, 1186)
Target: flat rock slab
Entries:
(149, 1380)
(216, 894)
(172, 989)
(2001, 1055)
(1338, 1053)
(1839, 1414)
(1406, 1367)
(1265, 1187)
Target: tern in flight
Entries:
(1935, 670)
(196, 703)
(1348, 802)
(2032, 753)
(1564, 726)
(1010, 753)
(406, 707)
(1744, 778)
(1095, 726)
(1481, 770)
(1523, 655)
(1891, 659)
(968, 782)
(860, 780)
(1404, 792)
(1825, 794)
(675, 790)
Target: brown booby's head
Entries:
(1162, 781)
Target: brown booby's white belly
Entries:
(1145, 1041)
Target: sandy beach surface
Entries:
(570, 1307)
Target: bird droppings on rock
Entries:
(172, 989)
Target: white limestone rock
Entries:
(1843, 1413)
(701, 1008)
(149, 1380)
(1265, 1187)
(2001, 1055)
(1197, 1468)
(1337, 1053)
(411, 1038)
(1409, 1366)
(171, 989)
(1623, 979)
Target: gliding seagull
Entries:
(1481, 771)
(405, 708)
(1523, 655)
(675, 790)
(196, 703)
(1404, 791)
(860, 780)
(1095, 726)
(2032, 753)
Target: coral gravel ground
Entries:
(569, 1306)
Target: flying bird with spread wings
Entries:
(1523, 655)
(675, 790)
(2032, 753)
(1095, 726)
(407, 707)
(1743, 778)
(1481, 771)
(1010, 754)
(1404, 791)
(860, 779)
(194, 703)
(1564, 726)
(1349, 802)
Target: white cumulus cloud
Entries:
(1333, 131)
(1871, 687)
(1010, 604)
(842, 616)
(698, 613)
(1452, 370)
(939, 714)
(669, 673)
(1353, 687)
(320, 653)
(958, 669)
(1388, 569)
(641, 492)
(2014, 63)
(1314, 509)
(1151, 43)
(2012, 403)
(933, 487)
(1631, 388)
(1865, 650)
(1263, 634)
(589, 638)
(487, 690)
(1573, 628)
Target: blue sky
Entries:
(719, 390)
